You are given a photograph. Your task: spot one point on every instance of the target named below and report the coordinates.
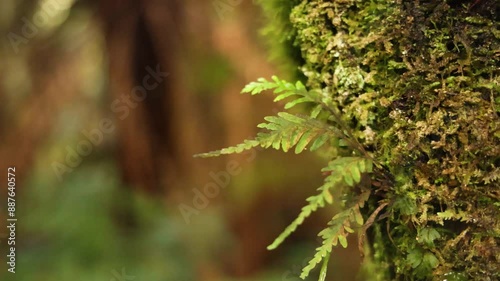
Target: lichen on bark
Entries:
(418, 83)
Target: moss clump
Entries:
(418, 82)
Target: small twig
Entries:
(367, 225)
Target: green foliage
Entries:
(422, 262)
(283, 89)
(288, 130)
(428, 235)
(336, 233)
(342, 170)
(285, 131)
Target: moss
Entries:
(418, 83)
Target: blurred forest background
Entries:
(101, 178)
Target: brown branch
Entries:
(367, 225)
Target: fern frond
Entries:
(321, 252)
(336, 233)
(291, 130)
(284, 131)
(282, 89)
(299, 94)
(350, 168)
(245, 145)
(338, 168)
(315, 202)
(261, 85)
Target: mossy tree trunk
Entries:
(418, 83)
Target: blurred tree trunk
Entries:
(142, 36)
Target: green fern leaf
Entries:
(428, 235)
(348, 179)
(304, 141)
(350, 168)
(330, 237)
(289, 130)
(356, 172)
(246, 145)
(284, 96)
(358, 218)
(282, 89)
(336, 233)
(316, 111)
(315, 202)
(321, 252)
(258, 87)
(293, 103)
(291, 118)
(328, 196)
(319, 142)
(343, 241)
(336, 167)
